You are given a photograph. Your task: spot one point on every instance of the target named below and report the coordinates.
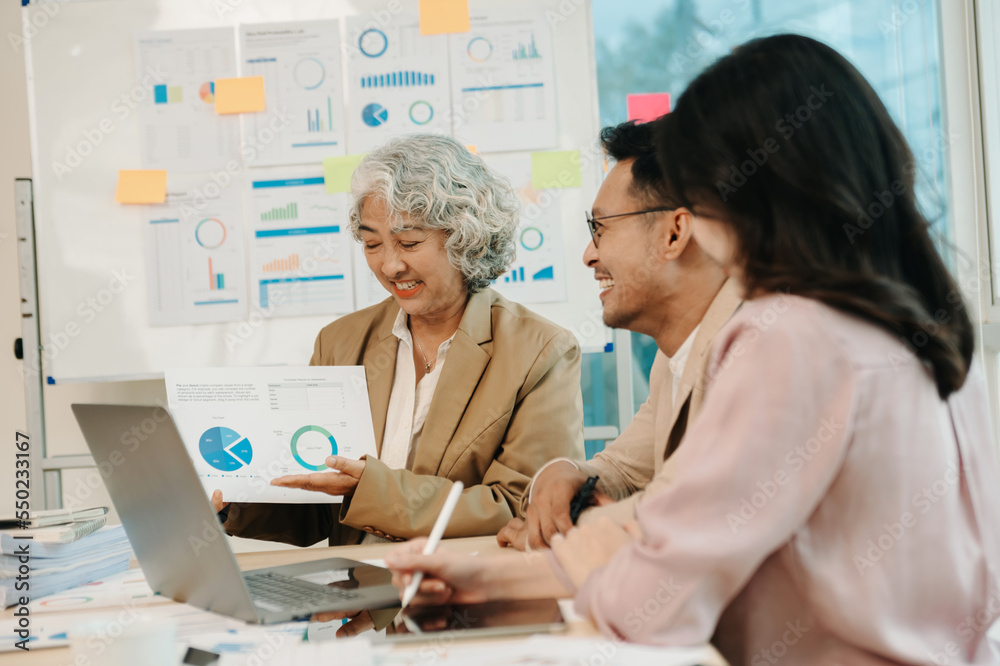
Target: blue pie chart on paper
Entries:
(225, 449)
(374, 115)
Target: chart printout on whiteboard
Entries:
(195, 261)
(243, 427)
(397, 82)
(301, 65)
(179, 130)
(503, 82)
(538, 274)
(300, 249)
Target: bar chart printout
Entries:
(195, 259)
(300, 254)
(503, 76)
(301, 65)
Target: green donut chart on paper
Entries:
(295, 446)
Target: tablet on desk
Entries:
(495, 618)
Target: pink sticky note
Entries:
(643, 107)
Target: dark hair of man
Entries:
(787, 143)
(633, 140)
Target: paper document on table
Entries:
(245, 426)
(124, 589)
(355, 651)
(555, 651)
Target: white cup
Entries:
(112, 641)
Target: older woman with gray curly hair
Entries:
(464, 384)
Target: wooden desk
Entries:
(481, 545)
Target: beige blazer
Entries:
(508, 400)
(638, 462)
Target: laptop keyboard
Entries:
(276, 592)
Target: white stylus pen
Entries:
(435, 538)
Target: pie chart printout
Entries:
(225, 449)
(374, 115)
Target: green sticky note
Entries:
(337, 172)
(556, 169)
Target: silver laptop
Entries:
(180, 543)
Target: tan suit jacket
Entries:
(508, 400)
(638, 463)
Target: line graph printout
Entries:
(397, 83)
(503, 83)
(300, 261)
(243, 427)
(301, 65)
(179, 130)
(195, 264)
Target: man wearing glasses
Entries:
(655, 280)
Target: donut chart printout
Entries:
(243, 427)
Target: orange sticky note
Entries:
(141, 187)
(245, 95)
(440, 17)
(472, 148)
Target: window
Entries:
(661, 45)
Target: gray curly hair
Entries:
(436, 182)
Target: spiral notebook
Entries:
(53, 534)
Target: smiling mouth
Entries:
(606, 283)
(407, 288)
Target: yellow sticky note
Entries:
(337, 172)
(245, 95)
(141, 187)
(556, 169)
(472, 149)
(440, 17)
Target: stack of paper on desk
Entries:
(30, 569)
(53, 517)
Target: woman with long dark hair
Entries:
(836, 500)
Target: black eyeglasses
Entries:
(592, 222)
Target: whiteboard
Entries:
(90, 261)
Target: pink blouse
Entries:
(823, 510)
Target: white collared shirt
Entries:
(679, 361)
(409, 401)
